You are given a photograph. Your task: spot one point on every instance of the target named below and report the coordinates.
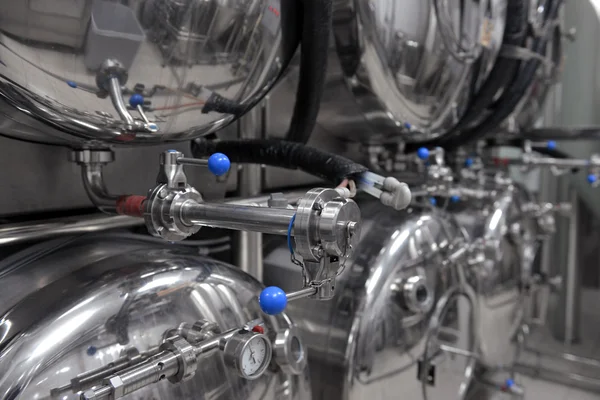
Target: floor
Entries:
(588, 347)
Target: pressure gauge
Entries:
(248, 353)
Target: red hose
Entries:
(131, 205)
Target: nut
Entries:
(111, 69)
(118, 388)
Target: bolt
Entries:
(318, 205)
(318, 250)
(163, 193)
(351, 228)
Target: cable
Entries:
(289, 234)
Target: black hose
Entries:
(501, 75)
(315, 18)
(314, 49)
(511, 96)
(290, 17)
(283, 154)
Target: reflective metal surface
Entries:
(68, 69)
(72, 305)
(367, 341)
(507, 244)
(404, 70)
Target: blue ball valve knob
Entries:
(423, 153)
(136, 99)
(551, 145)
(468, 162)
(455, 199)
(592, 178)
(219, 164)
(433, 201)
(272, 300)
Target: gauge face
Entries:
(254, 357)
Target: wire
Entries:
(197, 103)
(289, 234)
(151, 239)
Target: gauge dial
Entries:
(254, 355)
(248, 353)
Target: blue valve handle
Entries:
(455, 198)
(551, 145)
(423, 153)
(592, 178)
(136, 100)
(272, 300)
(219, 164)
(468, 162)
(433, 201)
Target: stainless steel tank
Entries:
(405, 69)
(138, 71)
(396, 300)
(505, 241)
(76, 304)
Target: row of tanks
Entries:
(422, 301)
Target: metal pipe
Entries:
(273, 221)
(309, 291)
(459, 352)
(564, 377)
(192, 161)
(117, 99)
(572, 284)
(93, 182)
(263, 200)
(248, 245)
(37, 230)
(591, 362)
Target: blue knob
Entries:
(423, 153)
(72, 84)
(592, 178)
(468, 162)
(91, 350)
(407, 125)
(510, 383)
(136, 99)
(551, 145)
(455, 198)
(433, 201)
(219, 164)
(272, 300)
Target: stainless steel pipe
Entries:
(248, 257)
(275, 221)
(93, 182)
(37, 230)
